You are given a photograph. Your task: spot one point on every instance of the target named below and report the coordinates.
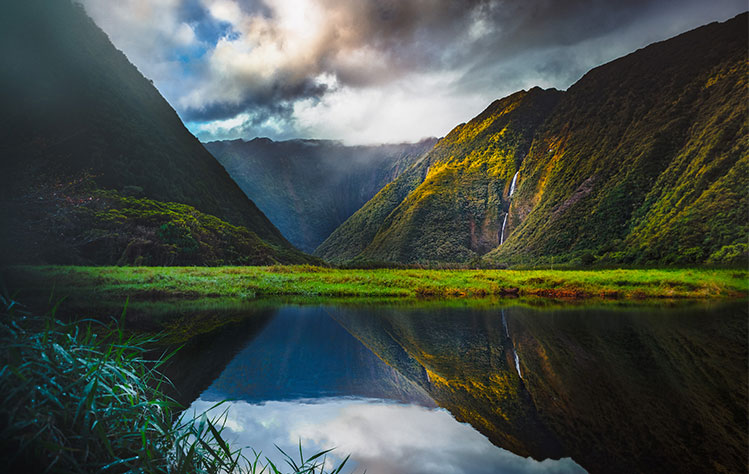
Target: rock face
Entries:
(643, 160)
(77, 114)
(308, 188)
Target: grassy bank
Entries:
(249, 283)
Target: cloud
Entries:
(331, 67)
(382, 437)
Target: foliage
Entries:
(80, 224)
(82, 397)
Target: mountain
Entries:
(643, 160)
(307, 188)
(450, 205)
(78, 118)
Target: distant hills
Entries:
(92, 158)
(308, 188)
(643, 160)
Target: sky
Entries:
(374, 71)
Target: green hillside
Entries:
(450, 205)
(307, 188)
(644, 160)
(75, 110)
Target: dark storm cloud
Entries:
(276, 101)
(264, 58)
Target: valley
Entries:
(308, 188)
(558, 284)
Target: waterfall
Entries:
(512, 346)
(514, 182)
(504, 222)
(502, 233)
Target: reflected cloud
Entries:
(382, 437)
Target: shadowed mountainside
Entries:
(77, 118)
(307, 188)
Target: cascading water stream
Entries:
(517, 362)
(504, 222)
(514, 182)
(504, 324)
(502, 233)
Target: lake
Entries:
(444, 389)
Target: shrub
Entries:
(730, 254)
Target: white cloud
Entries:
(151, 34)
(368, 71)
(184, 35)
(382, 437)
(396, 112)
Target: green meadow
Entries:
(313, 283)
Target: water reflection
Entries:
(303, 353)
(384, 437)
(634, 390)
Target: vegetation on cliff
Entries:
(76, 223)
(643, 161)
(450, 205)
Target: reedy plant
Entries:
(85, 397)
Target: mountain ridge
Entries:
(603, 179)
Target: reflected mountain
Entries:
(644, 390)
(301, 353)
(195, 365)
(618, 390)
(468, 367)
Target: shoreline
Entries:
(151, 284)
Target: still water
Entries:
(436, 389)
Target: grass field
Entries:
(309, 282)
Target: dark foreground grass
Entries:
(83, 397)
(310, 282)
